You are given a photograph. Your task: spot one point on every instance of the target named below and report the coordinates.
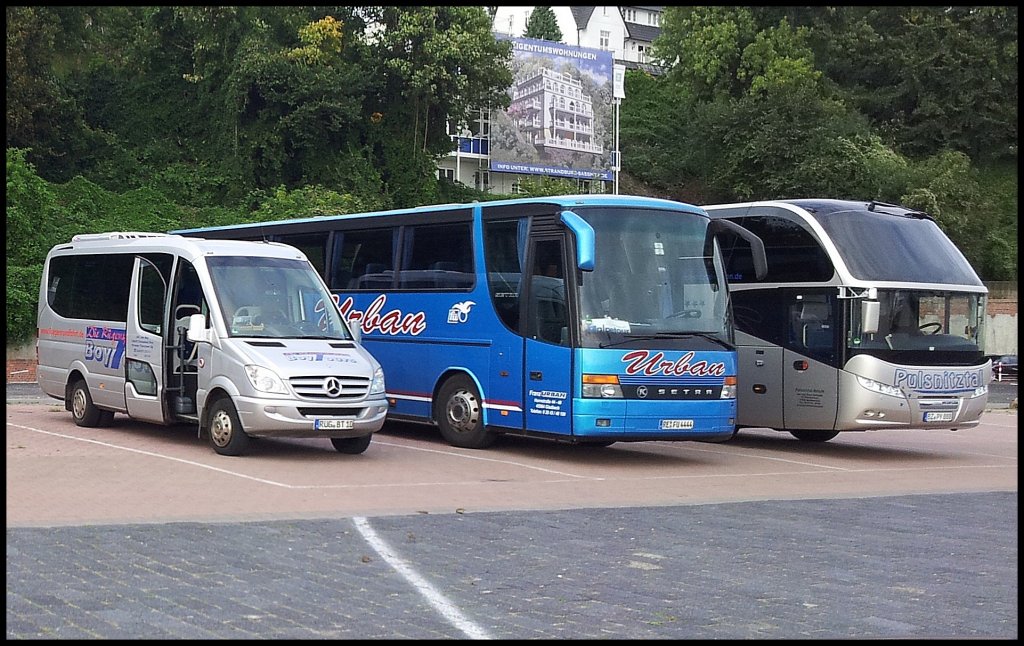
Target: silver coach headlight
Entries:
(879, 387)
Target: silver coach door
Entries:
(811, 380)
(144, 350)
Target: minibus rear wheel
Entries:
(460, 417)
(83, 411)
(226, 434)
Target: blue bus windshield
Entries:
(654, 275)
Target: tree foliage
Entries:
(161, 117)
(543, 24)
(837, 102)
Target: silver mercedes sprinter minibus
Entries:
(241, 338)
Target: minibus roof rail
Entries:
(117, 235)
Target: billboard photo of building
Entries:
(560, 121)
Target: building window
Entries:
(606, 37)
(515, 187)
(481, 180)
(446, 173)
(630, 15)
(641, 54)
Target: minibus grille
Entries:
(330, 412)
(331, 387)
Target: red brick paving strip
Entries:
(21, 371)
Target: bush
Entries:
(22, 301)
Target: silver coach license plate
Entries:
(938, 417)
(333, 424)
(676, 424)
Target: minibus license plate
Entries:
(333, 424)
(938, 417)
(676, 424)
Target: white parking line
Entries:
(284, 485)
(153, 455)
(477, 457)
(433, 597)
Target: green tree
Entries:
(436, 63)
(543, 24)
(929, 78)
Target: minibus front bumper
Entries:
(265, 417)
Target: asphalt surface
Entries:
(928, 566)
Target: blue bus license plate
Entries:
(333, 424)
(938, 417)
(676, 424)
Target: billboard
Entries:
(560, 121)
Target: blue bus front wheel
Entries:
(460, 417)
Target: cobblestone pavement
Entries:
(919, 566)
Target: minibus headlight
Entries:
(602, 387)
(377, 384)
(878, 387)
(265, 380)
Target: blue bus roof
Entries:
(563, 201)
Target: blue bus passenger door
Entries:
(547, 370)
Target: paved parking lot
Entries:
(133, 532)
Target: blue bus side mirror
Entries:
(584, 239)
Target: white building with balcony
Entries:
(559, 111)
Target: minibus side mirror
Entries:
(869, 317)
(197, 330)
(354, 329)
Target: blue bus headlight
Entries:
(729, 388)
(377, 384)
(878, 387)
(602, 387)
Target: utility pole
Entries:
(618, 93)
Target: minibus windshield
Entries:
(274, 297)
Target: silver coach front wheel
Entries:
(461, 418)
(814, 436)
(226, 434)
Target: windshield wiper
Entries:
(710, 336)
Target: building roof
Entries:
(582, 15)
(646, 33)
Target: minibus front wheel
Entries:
(226, 434)
(351, 445)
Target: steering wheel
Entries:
(934, 326)
(273, 316)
